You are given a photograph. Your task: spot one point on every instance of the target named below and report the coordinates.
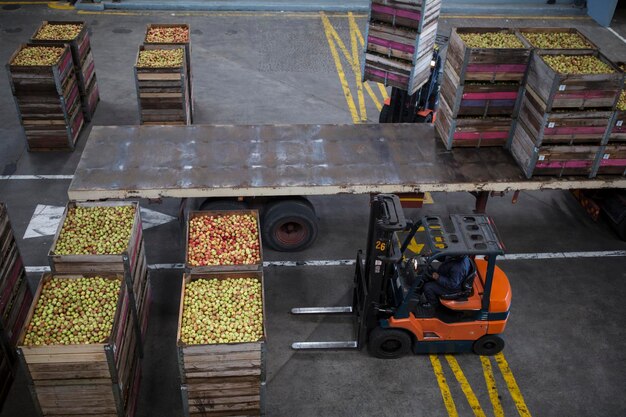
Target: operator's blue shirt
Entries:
(452, 272)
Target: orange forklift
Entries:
(387, 297)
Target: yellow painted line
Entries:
(448, 401)
(60, 6)
(355, 31)
(356, 67)
(465, 386)
(328, 29)
(490, 381)
(516, 394)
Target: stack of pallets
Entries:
(75, 34)
(15, 300)
(220, 377)
(45, 90)
(481, 88)
(400, 42)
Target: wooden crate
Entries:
(80, 46)
(567, 91)
(471, 131)
(222, 379)
(481, 99)
(85, 379)
(484, 64)
(163, 94)
(618, 127)
(218, 268)
(554, 160)
(400, 43)
(186, 45)
(591, 47)
(612, 160)
(570, 127)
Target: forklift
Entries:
(388, 284)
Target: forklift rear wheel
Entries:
(388, 343)
(488, 345)
(289, 225)
(222, 204)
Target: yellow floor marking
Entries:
(443, 386)
(328, 30)
(490, 381)
(60, 6)
(516, 394)
(465, 386)
(354, 28)
(356, 68)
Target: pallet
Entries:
(85, 379)
(570, 127)
(223, 268)
(612, 160)
(553, 160)
(564, 91)
(163, 93)
(485, 64)
(400, 43)
(222, 379)
(480, 99)
(131, 263)
(186, 45)
(523, 32)
(471, 131)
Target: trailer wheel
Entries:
(289, 225)
(488, 345)
(222, 204)
(388, 343)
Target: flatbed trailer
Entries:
(278, 163)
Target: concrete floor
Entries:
(565, 339)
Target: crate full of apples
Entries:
(97, 237)
(228, 240)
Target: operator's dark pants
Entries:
(432, 291)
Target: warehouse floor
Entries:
(566, 344)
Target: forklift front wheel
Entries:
(488, 345)
(388, 343)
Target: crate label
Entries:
(551, 125)
(606, 156)
(542, 157)
(619, 123)
(562, 87)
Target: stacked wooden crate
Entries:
(400, 42)
(612, 158)
(567, 107)
(481, 87)
(15, 300)
(222, 361)
(162, 85)
(45, 90)
(73, 372)
(75, 34)
(173, 35)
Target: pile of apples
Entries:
(59, 32)
(557, 40)
(96, 231)
(38, 55)
(496, 40)
(177, 34)
(222, 311)
(74, 311)
(231, 239)
(161, 58)
(621, 104)
(577, 64)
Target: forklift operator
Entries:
(447, 279)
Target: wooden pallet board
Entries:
(553, 160)
(471, 131)
(222, 379)
(579, 91)
(569, 127)
(485, 64)
(554, 46)
(612, 160)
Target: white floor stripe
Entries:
(36, 177)
(617, 34)
(348, 262)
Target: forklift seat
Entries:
(467, 286)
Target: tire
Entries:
(388, 343)
(385, 114)
(222, 204)
(488, 345)
(289, 225)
